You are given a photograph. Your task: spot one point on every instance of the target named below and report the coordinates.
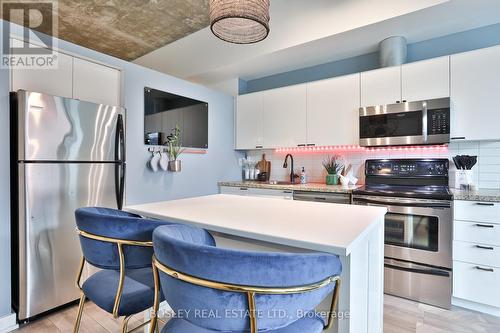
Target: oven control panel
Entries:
(407, 168)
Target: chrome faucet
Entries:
(285, 165)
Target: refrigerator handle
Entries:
(120, 162)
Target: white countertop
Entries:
(317, 226)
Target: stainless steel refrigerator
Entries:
(65, 154)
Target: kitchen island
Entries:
(354, 233)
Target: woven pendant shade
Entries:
(240, 21)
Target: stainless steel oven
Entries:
(408, 123)
(417, 230)
(418, 226)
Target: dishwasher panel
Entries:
(340, 198)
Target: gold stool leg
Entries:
(76, 329)
(125, 324)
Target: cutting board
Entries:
(264, 166)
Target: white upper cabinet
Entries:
(249, 113)
(333, 111)
(96, 83)
(475, 87)
(381, 86)
(285, 117)
(56, 81)
(426, 79)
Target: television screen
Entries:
(164, 111)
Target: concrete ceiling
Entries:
(308, 33)
(128, 29)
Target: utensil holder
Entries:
(464, 179)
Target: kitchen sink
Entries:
(279, 182)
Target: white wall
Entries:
(200, 173)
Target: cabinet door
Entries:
(381, 86)
(57, 81)
(285, 117)
(475, 85)
(426, 79)
(249, 121)
(333, 111)
(96, 83)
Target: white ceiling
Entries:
(310, 32)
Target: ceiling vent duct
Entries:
(393, 51)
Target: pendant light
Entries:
(240, 21)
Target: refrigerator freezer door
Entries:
(49, 249)
(54, 128)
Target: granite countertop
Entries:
(491, 195)
(310, 187)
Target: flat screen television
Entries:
(164, 111)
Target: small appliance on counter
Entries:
(418, 226)
(464, 173)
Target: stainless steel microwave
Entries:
(408, 123)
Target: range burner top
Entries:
(410, 178)
(408, 191)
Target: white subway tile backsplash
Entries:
(489, 168)
(484, 160)
(486, 172)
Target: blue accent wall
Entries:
(200, 172)
(455, 43)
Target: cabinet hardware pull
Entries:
(397, 102)
(404, 100)
(301, 145)
(485, 204)
(458, 138)
(288, 192)
(485, 247)
(485, 269)
(320, 198)
(243, 189)
(311, 144)
(484, 225)
(258, 147)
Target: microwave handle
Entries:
(424, 124)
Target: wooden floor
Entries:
(400, 316)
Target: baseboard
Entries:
(491, 310)
(8, 323)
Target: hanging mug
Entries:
(153, 162)
(163, 161)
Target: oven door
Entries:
(416, 230)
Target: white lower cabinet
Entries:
(476, 283)
(476, 255)
(257, 192)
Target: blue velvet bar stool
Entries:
(214, 289)
(120, 244)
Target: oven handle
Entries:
(427, 271)
(403, 203)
